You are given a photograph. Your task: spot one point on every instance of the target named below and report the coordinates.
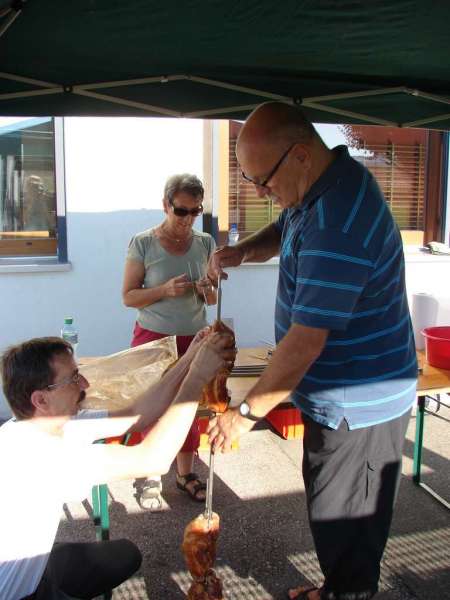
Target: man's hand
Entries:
(203, 286)
(227, 428)
(224, 256)
(213, 354)
(177, 286)
(194, 346)
(206, 291)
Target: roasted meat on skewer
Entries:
(199, 549)
(215, 394)
(209, 589)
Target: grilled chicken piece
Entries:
(209, 589)
(199, 549)
(199, 545)
(215, 394)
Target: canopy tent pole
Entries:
(147, 107)
(419, 122)
(46, 92)
(238, 88)
(362, 94)
(29, 80)
(427, 96)
(348, 113)
(221, 111)
(16, 9)
(313, 102)
(125, 82)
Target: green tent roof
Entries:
(353, 62)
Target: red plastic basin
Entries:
(437, 346)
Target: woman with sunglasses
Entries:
(165, 279)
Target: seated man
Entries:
(48, 447)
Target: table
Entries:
(431, 382)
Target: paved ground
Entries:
(265, 544)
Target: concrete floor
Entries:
(265, 545)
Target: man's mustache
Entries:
(82, 396)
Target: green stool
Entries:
(418, 446)
(100, 508)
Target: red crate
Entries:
(287, 421)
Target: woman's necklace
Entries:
(170, 238)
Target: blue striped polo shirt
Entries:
(342, 269)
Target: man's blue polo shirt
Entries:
(342, 269)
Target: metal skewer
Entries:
(209, 486)
(200, 276)
(219, 298)
(210, 482)
(193, 283)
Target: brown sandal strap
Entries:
(301, 592)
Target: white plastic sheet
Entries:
(116, 380)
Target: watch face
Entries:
(244, 409)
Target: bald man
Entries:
(345, 349)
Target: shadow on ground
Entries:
(265, 545)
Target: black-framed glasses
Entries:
(180, 211)
(75, 378)
(272, 172)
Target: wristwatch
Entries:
(245, 411)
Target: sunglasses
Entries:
(272, 172)
(179, 211)
(75, 378)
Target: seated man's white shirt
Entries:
(39, 473)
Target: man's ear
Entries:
(39, 401)
(165, 205)
(303, 155)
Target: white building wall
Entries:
(115, 174)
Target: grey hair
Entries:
(187, 183)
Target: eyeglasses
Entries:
(179, 211)
(272, 172)
(75, 378)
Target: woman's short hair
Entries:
(27, 367)
(185, 182)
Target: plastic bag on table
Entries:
(116, 380)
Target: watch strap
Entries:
(249, 414)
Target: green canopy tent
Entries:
(379, 62)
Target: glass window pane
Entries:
(27, 186)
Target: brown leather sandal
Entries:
(184, 480)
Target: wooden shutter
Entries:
(245, 209)
(400, 171)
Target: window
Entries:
(29, 214)
(407, 164)
(245, 209)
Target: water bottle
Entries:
(233, 235)
(70, 334)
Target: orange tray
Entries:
(287, 421)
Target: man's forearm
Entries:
(262, 245)
(154, 455)
(170, 431)
(288, 365)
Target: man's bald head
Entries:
(277, 124)
(280, 152)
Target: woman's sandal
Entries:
(149, 494)
(301, 592)
(193, 491)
